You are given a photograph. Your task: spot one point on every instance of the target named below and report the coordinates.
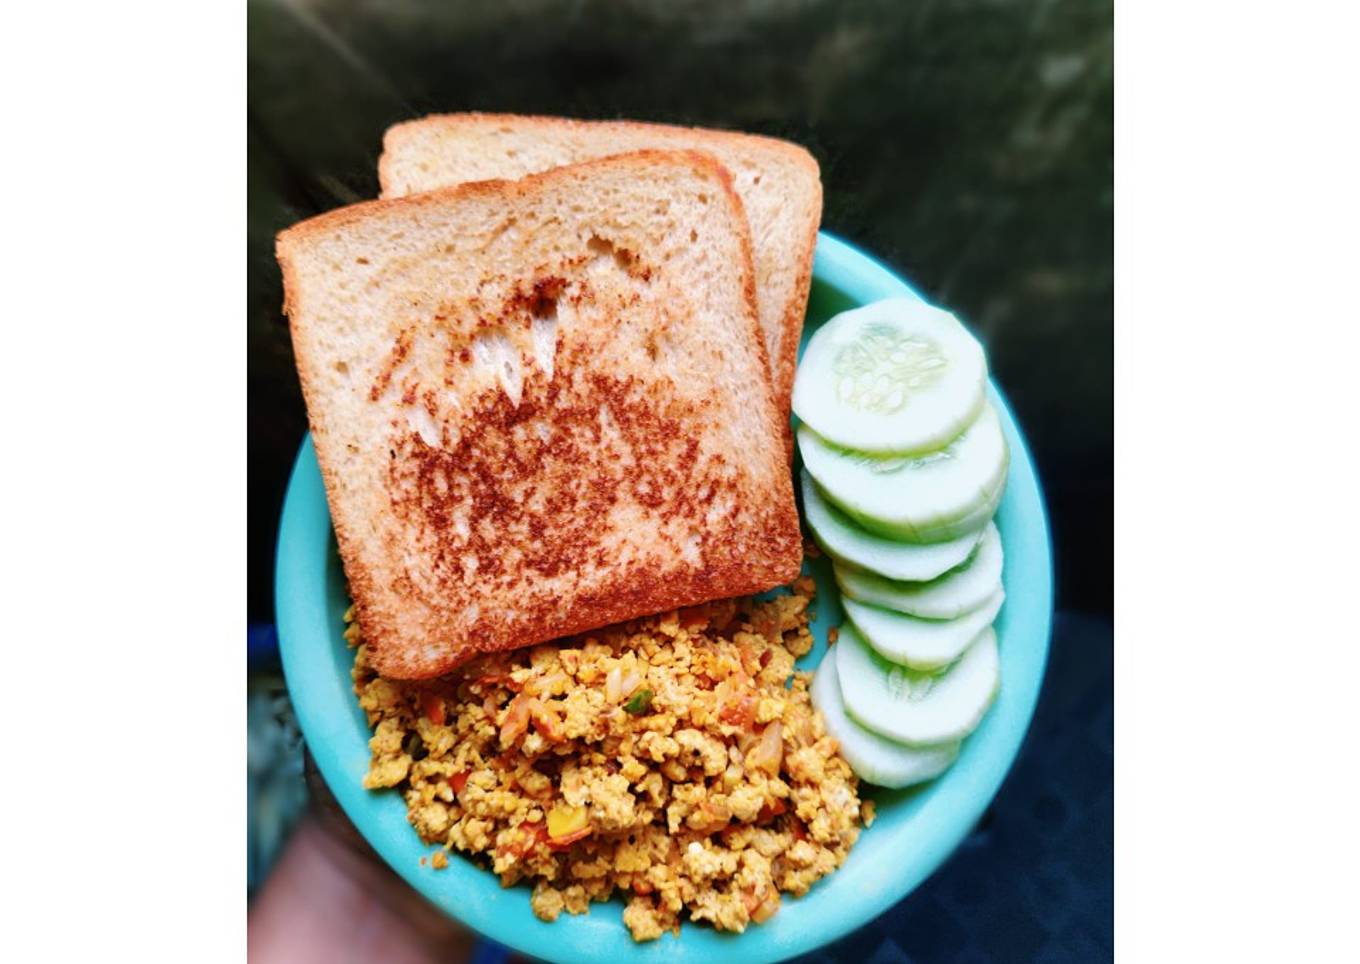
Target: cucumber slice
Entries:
(852, 546)
(928, 498)
(923, 644)
(958, 591)
(917, 708)
(873, 758)
(895, 376)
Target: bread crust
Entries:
(784, 367)
(770, 556)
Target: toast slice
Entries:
(540, 406)
(779, 184)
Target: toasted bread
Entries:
(778, 182)
(540, 406)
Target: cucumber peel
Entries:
(873, 758)
(937, 497)
(921, 644)
(895, 376)
(919, 709)
(853, 546)
(959, 591)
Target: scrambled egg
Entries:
(669, 758)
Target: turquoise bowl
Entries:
(915, 831)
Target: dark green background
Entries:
(968, 144)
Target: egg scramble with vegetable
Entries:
(676, 759)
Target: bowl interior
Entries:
(915, 829)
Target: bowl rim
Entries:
(962, 795)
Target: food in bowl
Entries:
(676, 760)
(905, 466)
(534, 424)
(912, 834)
